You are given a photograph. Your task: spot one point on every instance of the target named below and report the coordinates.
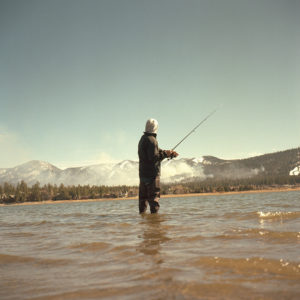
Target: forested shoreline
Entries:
(22, 193)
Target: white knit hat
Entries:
(151, 126)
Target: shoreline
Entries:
(270, 190)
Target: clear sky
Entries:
(79, 79)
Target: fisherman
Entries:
(150, 157)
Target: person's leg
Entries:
(143, 197)
(154, 195)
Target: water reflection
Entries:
(153, 236)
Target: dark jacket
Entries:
(150, 156)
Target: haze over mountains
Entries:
(176, 170)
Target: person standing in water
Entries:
(150, 157)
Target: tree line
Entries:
(21, 192)
(212, 185)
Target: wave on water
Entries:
(75, 215)
(19, 234)
(269, 215)
(259, 233)
(253, 265)
(93, 246)
(26, 224)
(279, 214)
(7, 258)
(11, 259)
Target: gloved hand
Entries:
(171, 153)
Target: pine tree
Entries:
(22, 192)
(35, 194)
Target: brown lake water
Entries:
(242, 246)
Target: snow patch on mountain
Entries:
(295, 171)
(198, 160)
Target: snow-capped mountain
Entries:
(122, 173)
(30, 172)
(175, 170)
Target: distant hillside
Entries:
(278, 163)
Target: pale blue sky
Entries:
(79, 79)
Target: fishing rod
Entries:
(194, 129)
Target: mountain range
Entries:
(176, 170)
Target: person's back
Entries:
(150, 156)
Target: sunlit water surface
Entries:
(242, 246)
